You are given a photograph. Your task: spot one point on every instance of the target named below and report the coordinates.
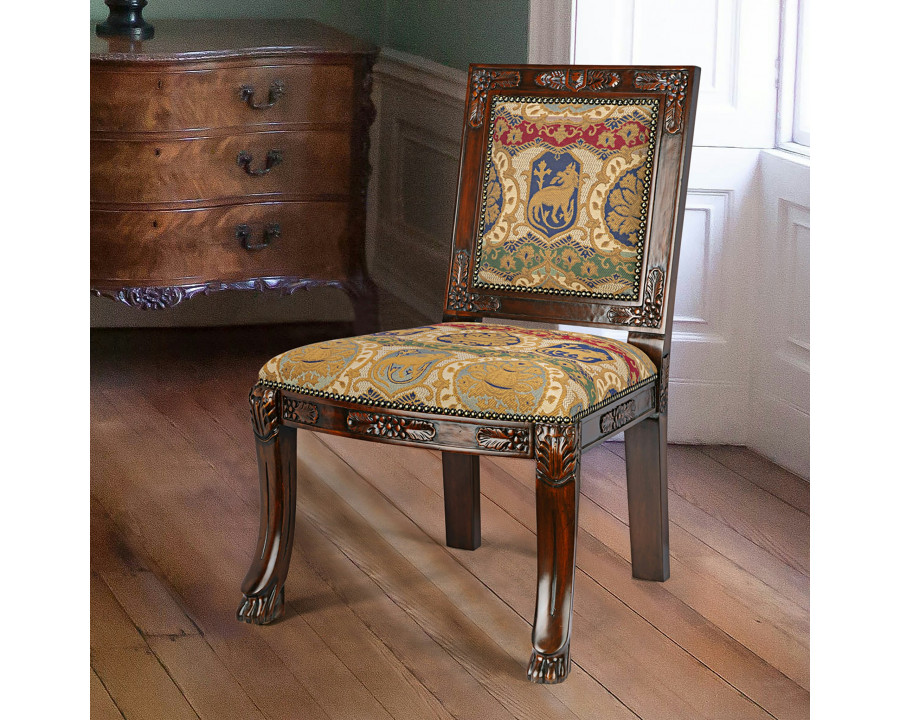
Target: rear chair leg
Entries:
(276, 455)
(648, 498)
(462, 500)
(558, 483)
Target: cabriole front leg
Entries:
(276, 454)
(558, 454)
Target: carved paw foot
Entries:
(262, 609)
(548, 669)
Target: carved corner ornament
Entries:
(299, 411)
(650, 313)
(503, 439)
(577, 80)
(390, 426)
(482, 82)
(264, 412)
(459, 297)
(617, 417)
(674, 84)
(662, 403)
(557, 452)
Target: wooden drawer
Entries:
(312, 163)
(172, 247)
(138, 99)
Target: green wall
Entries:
(358, 17)
(458, 33)
(450, 32)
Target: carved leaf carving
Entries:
(578, 79)
(459, 297)
(650, 313)
(502, 438)
(390, 426)
(617, 417)
(557, 452)
(663, 391)
(482, 82)
(299, 411)
(674, 84)
(264, 411)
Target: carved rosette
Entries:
(662, 404)
(299, 411)
(617, 417)
(577, 80)
(674, 84)
(459, 297)
(482, 82)
(264, 411)
(557, 452)
(503, 439)
(390, 426)
(650, 313)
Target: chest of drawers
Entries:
(230, 155)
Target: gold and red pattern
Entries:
(566, 193)
(469, 369)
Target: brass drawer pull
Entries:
(243, 232)
(273, 158)
(276, 90)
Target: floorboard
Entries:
(383, 620)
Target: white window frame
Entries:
(792, 129)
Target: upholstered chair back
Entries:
(578, 195)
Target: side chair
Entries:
(569, 211)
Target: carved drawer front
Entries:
(140, 99)
(222, 244)
(203, 169)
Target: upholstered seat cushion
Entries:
(470, 369)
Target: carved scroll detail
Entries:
(482, 81)
(558, 452)
(662, 403)
(459, 297)
(506, 439)
(578, 79)
(264, 411)
(650, 313)
(299, 411)
(617, 417)
(390, 426)
(674, 83)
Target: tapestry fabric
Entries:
(469, 369)
(565, 196)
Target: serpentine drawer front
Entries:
(230, 154)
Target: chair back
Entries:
(571, 194)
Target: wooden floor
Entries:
(383, 620)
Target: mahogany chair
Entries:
(570, 206)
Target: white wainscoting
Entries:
(779, 383)
(415, 157)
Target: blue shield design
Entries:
(553, 193)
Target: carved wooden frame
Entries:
(676, 90)
(556, 445)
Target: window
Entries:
(793, 99)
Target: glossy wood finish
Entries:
(204, 170)
(555, 447)
(159, 99)
(276, 454)
(648, 498)
(462, 500)
(190, 245)
(212, 116)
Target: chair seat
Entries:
(468, 369)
